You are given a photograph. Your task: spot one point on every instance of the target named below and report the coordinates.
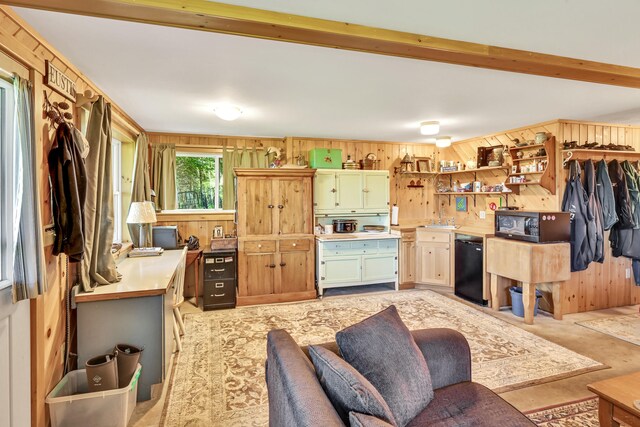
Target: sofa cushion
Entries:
(356, 419)
(346, 388)
(469, 404)
(382, 349)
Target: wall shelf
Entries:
(474, 171)
(473, 195)
(547, 177)
(586, 154)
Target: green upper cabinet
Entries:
(348, 191)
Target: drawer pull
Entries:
(217, 295)
(294, 245)
(259, 246)
(219, 285)
(218, 270)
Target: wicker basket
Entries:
(369, 162)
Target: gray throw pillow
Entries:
(346, 388)
(356, 419)
(382, 349)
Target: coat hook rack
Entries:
(57, 111)
(86, 98)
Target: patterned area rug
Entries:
(219, 375)
(626, 328)
(581, 413)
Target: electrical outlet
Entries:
(483, 215)
(627, 273)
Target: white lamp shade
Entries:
(228, 112)
(443, 141)
(429, 128)
(141, 213)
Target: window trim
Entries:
(7, 98)
(190, 152)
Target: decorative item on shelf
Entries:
(471, 164)
(520, 154)
(274, 157)
(370, 162)
(406, 165)
(486, 155)
(350, 164)
(424, 164)
(218, 232)
(541, 137)
(300, 160)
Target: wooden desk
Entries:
(531, 264)
(616, 396)
(138, 310)
(194, 257)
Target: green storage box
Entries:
(325, 158)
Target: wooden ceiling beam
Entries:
(238, 20)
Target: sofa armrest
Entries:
(296, 397)
(447, 354)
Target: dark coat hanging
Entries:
(621, 236)
(575, 202)
(605, 196)
(69, 188)
(597, 245)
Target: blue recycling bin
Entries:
(517, 307)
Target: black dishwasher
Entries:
(469, 274)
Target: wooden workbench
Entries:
(531, 264)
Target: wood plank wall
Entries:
(601, 285)
(26, 47)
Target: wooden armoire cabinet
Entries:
(276, 254)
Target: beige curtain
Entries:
(141, 186)
(98, 265)
(29, 277)
(235, 158)
(163, 170)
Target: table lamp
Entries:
(141, 213)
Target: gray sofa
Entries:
(296, 398)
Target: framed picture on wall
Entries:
(424, 164)
(461, 204)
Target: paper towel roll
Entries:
(394, 215)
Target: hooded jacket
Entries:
(606, 199)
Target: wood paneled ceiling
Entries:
(289, 89)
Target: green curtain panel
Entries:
(141, 186)
(29, 269)
(235, 158)
(98, 265)
(163, 170)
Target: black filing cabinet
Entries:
(220, 278)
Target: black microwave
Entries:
(536, 227)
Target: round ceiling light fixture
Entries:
(228, 112)
(430, 128)
(443, 141)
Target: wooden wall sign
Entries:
(58, 81)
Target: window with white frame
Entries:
(116, 169)
(7, 142)
(199, 180)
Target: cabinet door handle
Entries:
(270, 265)
(333, 190)
(282, 264)
(270, 206)
(365, 190)
(280, 207)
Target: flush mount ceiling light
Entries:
(443, 141)
(429, 128)
(228, 112)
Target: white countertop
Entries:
(364, 235)
(141, 276)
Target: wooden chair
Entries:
(178, 299)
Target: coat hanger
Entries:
(86, 98)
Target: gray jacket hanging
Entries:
(605, 196)
(575, 201)
(597, 245)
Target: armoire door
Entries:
(293, 205)
(256, 274)
(257, 201)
